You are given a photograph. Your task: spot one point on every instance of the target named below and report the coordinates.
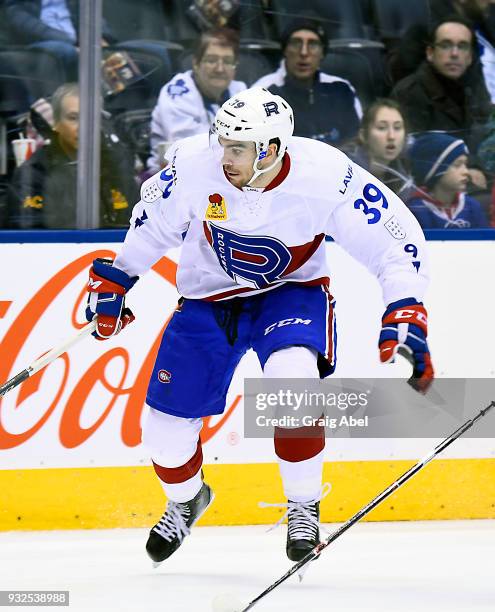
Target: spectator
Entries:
(382, 138)
(52, 26)
(439, 167)
(188, 103)
(325, 107)
(43, 191)
(481, 14)
(444, 93)
(405, 57)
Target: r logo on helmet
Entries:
(271, 108)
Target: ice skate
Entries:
(167, 535)
(303, 528)
(303, 531)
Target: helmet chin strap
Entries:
(261, 154)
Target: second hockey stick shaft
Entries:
(372, 504)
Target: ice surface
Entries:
(387, 567)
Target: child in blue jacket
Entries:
(439, 168)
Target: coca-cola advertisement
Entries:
(86, 407)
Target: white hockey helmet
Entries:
(256, 115)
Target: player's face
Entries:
(303, 54)
(451, 53)
(67, 127)
(237, 161)
(457, 176)
(386, 135)
(215, 71)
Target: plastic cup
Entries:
(23, 149)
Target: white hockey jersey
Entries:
(239, 242)
(180, 112)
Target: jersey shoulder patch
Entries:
(177, 88)
(151, 189)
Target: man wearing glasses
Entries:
(447, 92)
(187, 104)
(326, 107)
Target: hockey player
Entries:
(251, 206)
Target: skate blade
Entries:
(301, 573)
(156, 564)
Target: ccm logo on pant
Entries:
(284, 322)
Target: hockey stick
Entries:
(43, 361)
(359, 515)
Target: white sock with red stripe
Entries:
(299, 451)
(176, 452)
(182, 491)
(302, 479)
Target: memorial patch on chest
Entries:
(217, 208)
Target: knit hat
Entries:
(304, 23)
(431, 155)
